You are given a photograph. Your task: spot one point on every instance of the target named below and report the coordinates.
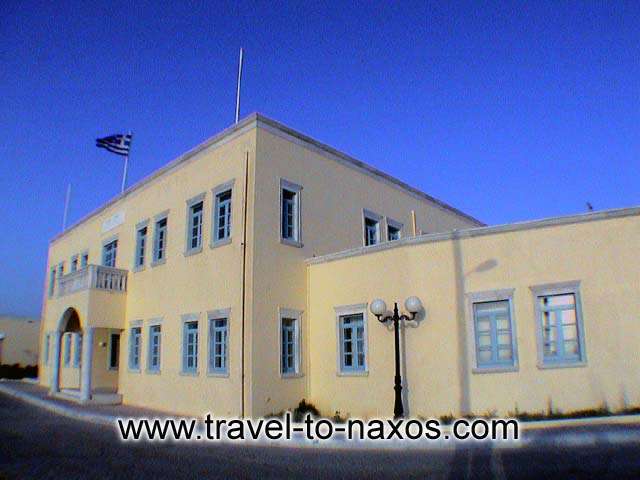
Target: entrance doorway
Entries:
(114, 351)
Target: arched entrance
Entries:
(70, 323)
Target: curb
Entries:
(580, 422)
(63, 410)
(535, 428)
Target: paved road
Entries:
(37, 444)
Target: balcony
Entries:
(97, 294)
(93, 277)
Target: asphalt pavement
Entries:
(35, 443)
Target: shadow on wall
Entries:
(460, 292)
(460, 295)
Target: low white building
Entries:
(19, 340)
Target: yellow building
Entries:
(214, 285)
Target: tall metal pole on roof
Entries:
(126, 165)
(238, 90)
(67, 198)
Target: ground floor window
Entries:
(134, 348)
(561, 333)
(67, 349)
(352, 342)
(190, 347)
(218, 339)
(493, 334)
(77, 353)
(289, 342)
(155, 338)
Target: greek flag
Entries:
(118, 144)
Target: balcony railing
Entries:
(93, 277)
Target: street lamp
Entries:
(413, 305)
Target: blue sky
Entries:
(508, 111)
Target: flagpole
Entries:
(66, 207)
(126, 164)
(238, 90)
(124, 173)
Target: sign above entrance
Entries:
(113, 221)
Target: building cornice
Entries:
(255, 120)
(336, 155)
(226, 135)
(478, 232)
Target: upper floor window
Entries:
(371, 228)
(194, 223)
(160, 241)
(222, 216)
(77, 352)
(60, 269)
(134, 348)
(155, 340)
(141, 246)
(84, 260)
(290, 213)
(394, 230)
(352, 340)
(109, 251)
(218, 344)
(74, 263)
(52, 281)
(289, 342)
(561, 332)
(190, 347)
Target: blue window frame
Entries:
(289, 345)
(393, 233)
(67, 349)
(84, 260)
(141, 245)
(160, 240)
(77, 352)
(288, 214)
(352, 343)
(134, 348)
(371, 231)
(194, 225)
(222, 220)
(561, 330)
(371, 223)
(493, 334)
(155, 341)
(218, 345)
(109, 252)
(190, 347)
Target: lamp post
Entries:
(413, 305)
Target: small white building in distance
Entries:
(19, 340)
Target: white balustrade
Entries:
(93, 276)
